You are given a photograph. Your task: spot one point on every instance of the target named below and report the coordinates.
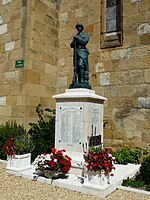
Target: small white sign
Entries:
(3, 101)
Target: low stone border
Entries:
(134, 190)
(3, 161)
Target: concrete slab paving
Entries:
(73, 182)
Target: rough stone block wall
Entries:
(29, 31)
(121, 74)
(12, 15)
(40, 76)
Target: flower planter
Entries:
(97, 180)
(53, 174)
(54, 165)
(48, 174)
(19, 162)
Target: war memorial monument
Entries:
(79, 111)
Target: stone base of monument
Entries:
(76, 162)
(76, 170)
(79, 122)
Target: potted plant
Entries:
(18, 152)
(53, 165)
(99, 165)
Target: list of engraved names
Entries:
(71, 125)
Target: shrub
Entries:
(24, 144)
(7, 131)
(19, 145)
(148, 187)
(43, 132)
(127, 155)
(145, 170)
(133, 183)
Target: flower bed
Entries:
(53, 163)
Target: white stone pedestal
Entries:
(79, 115)
(96, 180)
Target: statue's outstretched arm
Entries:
(82, 40)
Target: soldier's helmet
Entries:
(79, 24)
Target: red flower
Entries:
(53, 150)
(99, 159)
(51, 163)
(59, 152)
(52, 157)
(10, 148)
(88, 166)
(68, 158)
(65, 169)
(63, 162)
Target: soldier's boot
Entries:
(86, 77)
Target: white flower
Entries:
(39, 160)
(47, 157)
(46, 166)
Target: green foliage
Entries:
(145, 170)
(96, 149)
(133, 183)
(23, 144)
(7, 131)
(127, 155)
(43, 132)
(136, 182)
(147, 187)
(141, 179)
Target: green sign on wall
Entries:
(19, 64)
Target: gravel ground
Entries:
(17, 188)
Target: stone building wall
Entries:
(12, 39)
(40, 76)
(28, 31)
(121, 74)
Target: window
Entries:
(111, 23)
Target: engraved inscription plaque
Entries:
(95, 121)
(71, 125)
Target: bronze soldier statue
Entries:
(80, 60)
